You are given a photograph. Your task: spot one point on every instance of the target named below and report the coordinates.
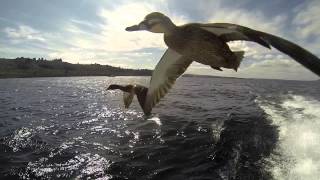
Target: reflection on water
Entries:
(91, 165)
(205, 128)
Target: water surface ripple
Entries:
(205, 128)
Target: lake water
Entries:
(205, 128)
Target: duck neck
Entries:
(170, 28)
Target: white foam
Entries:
(88, 164)
(297, 155)
(217, 128)
(156, 120)
(21, 139)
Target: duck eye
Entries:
(153, 22)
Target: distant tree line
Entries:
(32, 67)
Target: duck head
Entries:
(154, 22)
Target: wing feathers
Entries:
(296, 52)
(233, 32)
(171, 66)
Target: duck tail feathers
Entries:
(127, 99)
(140, 92)
(239, 57)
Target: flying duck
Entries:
(206, 44)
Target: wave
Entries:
(297, 154)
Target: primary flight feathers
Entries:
(233, 32)
(206, 44)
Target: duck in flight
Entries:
(206, 44)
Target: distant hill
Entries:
(27, 67)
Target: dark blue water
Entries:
(205, 128)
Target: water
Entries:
(205, 128)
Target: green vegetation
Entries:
(27, 67)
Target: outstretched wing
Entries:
(169, 68)
(232, 32)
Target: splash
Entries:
(25, 138)
(156, 120)
(297, 155)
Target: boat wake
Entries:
(297, 154)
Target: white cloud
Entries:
(307, 19)
(74, 55)
(135, 60)
(307, 25)
(112, 42)
(255, 20)
(131, 13)
(252, 19)
(24, 32)
(116, 20)
(278, 69)
(267, 69)
(251, 49)
(84, 23)
(107, 42)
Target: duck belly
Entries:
(211, 56)
(211, 59)
(201, 46)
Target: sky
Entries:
(87, 31)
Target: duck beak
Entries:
(141, 26)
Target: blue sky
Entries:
(87, 31)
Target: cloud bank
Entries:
(93, 32)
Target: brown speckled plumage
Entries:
(200, 45)
(206, 44)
